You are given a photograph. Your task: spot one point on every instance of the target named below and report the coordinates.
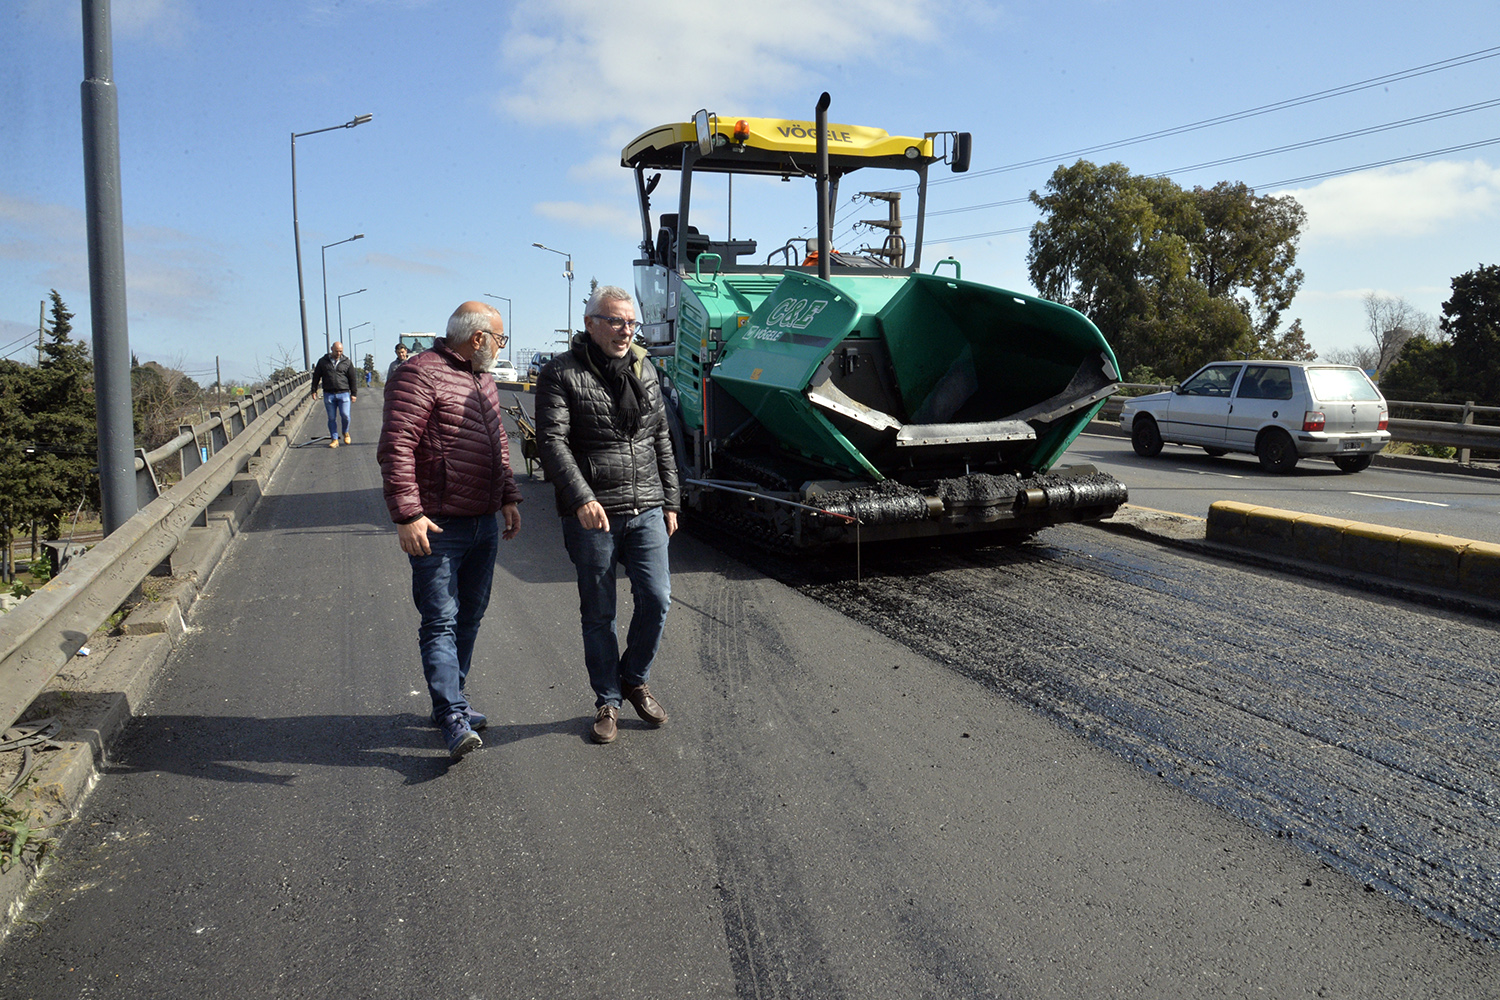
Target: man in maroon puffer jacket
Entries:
(445, 465)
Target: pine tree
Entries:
(64, 432)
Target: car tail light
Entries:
(1385, 420)
(1313, 420)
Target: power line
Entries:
(1264, 109)
(1306, 144)
(1275, 184)
(1379, 163)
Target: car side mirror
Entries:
(1176, 388)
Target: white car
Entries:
(504, 371)
(1279, 411)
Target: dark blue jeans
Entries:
(451, 588)
(640, 544)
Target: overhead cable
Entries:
(1264, 109)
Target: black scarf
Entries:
(620, 378)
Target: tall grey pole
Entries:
(327, 340)
(297, 241)
(297, 232)
(566, 274)
(106, 240)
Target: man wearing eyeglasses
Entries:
(604, 444)
(445, 466)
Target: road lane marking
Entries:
(1381, 496)
(1205, 472)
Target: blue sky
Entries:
(499, 125)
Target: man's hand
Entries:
(591, 515)
(671, 517)
(512, 514)
(413, 536)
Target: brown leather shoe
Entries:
(646, 705)
(605, 729)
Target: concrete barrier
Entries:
(1425, 558)
(95, 695)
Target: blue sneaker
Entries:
(477, 720)
(459, 737)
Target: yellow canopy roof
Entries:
(662, 145)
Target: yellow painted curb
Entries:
(1479, 570)
(1424, 557)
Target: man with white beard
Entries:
(445, 466)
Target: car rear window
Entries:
(1338, 385)
(1266, 382)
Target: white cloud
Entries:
(168, 273)
(1399, 201)
(166, 22)
(629, 66)
(611, 218)
(393, 263)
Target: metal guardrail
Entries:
(1462, 433)
(41, 634)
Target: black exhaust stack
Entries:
(825, 224)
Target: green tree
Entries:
(1471, 317)
(1462, 362)
(1426, 372)
(64, 432)
(18, 470)
(1173, 278)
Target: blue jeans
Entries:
(640, 543)
(337, 405)
(451, 588)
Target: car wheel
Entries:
(1352, 463)
(1145, 437)
(1276, 451)
(1216, 452)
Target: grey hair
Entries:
(464, 323)
(606, 293)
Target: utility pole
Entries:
(894, 247)
(106, 244)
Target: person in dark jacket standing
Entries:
(401, 353)
(602, 433)
(334, 374)
(445, 467)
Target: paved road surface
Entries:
(1187, 481)
(828, 814)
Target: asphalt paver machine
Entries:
(822, 395)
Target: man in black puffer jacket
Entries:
(602, 433)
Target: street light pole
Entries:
(341, 299)
(566, 274)
(328, 343)
(297, 233)
(510, 335)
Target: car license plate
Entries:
(1353, 445)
